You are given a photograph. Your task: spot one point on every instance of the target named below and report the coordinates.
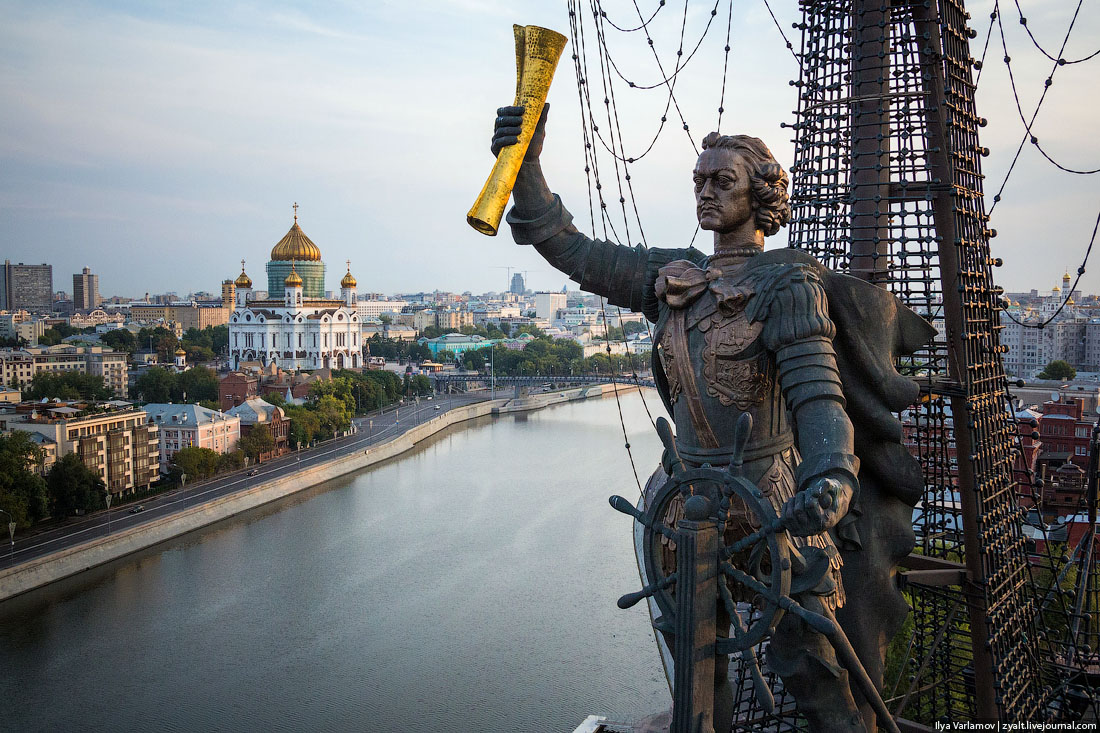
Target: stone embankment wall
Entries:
(64, 563)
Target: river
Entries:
(467, 586)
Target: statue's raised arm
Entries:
(623, 275)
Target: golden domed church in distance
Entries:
(296, 327)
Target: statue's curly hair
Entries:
(769, 180)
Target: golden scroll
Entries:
(537, 53)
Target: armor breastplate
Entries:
(732, 371)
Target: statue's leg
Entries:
(808, 666)
(875, 609)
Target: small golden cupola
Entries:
(293, 280)
(349, 280)
(243, 280)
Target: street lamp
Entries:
(183, 480)
(108, 498)
(11, 533)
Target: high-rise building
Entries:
(85, 290)
(547, 305)
(26, 287)
(518, 286)
(229, 295)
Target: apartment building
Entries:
(18, 366)
(192, 426)
(118, 443)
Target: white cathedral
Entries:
(296, 327)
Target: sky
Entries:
(160, 143)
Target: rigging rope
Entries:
(1061, 61)
(613, 143)
(996, 15)
(1069, 293)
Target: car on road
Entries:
(437, 407)
(254, 472)
(138, 508)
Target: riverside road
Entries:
(369, 430)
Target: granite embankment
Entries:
(70, 561)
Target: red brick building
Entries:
(1064, 430)
(255, 414)
(235, 388)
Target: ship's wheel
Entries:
(754, 555)
(759, 569)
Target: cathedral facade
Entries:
(296, 327)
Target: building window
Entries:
(1081, 451)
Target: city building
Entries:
(295, 330)
(97, 317)
(22, 325)
(26, 287)
(229, 296)
(371, 309)
(184, 315)
(115, 440)
(456, 343)
(18, 366)
(235, 388)
(296, 252)
(547, 305)
(1065, 431)
(518, 287)
(256, 414)
(85, 290)
(192, 426)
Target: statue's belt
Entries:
(721, 456)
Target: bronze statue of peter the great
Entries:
(809, 354)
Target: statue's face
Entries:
(723, 193)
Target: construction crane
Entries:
(508, 276)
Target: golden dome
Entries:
(1057, 289)
(293, 280)
(296, 245)
(348, 281)
(1065, 278)
(243, 281)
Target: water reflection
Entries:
(468, 587)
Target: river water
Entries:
(469, 586)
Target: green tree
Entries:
(66, 386)
(421, 385)
(475, 360)
(231, 461)
(1058, 369)
(155, 385)
(120, 339)
(23, 492)
(73, 486)
(194, 385)
(197, 463)
(333, 415)
(305, 425)
(419, 353)
(256, 442)
(199, 354)
(445, 357)
(49, 337)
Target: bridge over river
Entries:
(459, 381)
